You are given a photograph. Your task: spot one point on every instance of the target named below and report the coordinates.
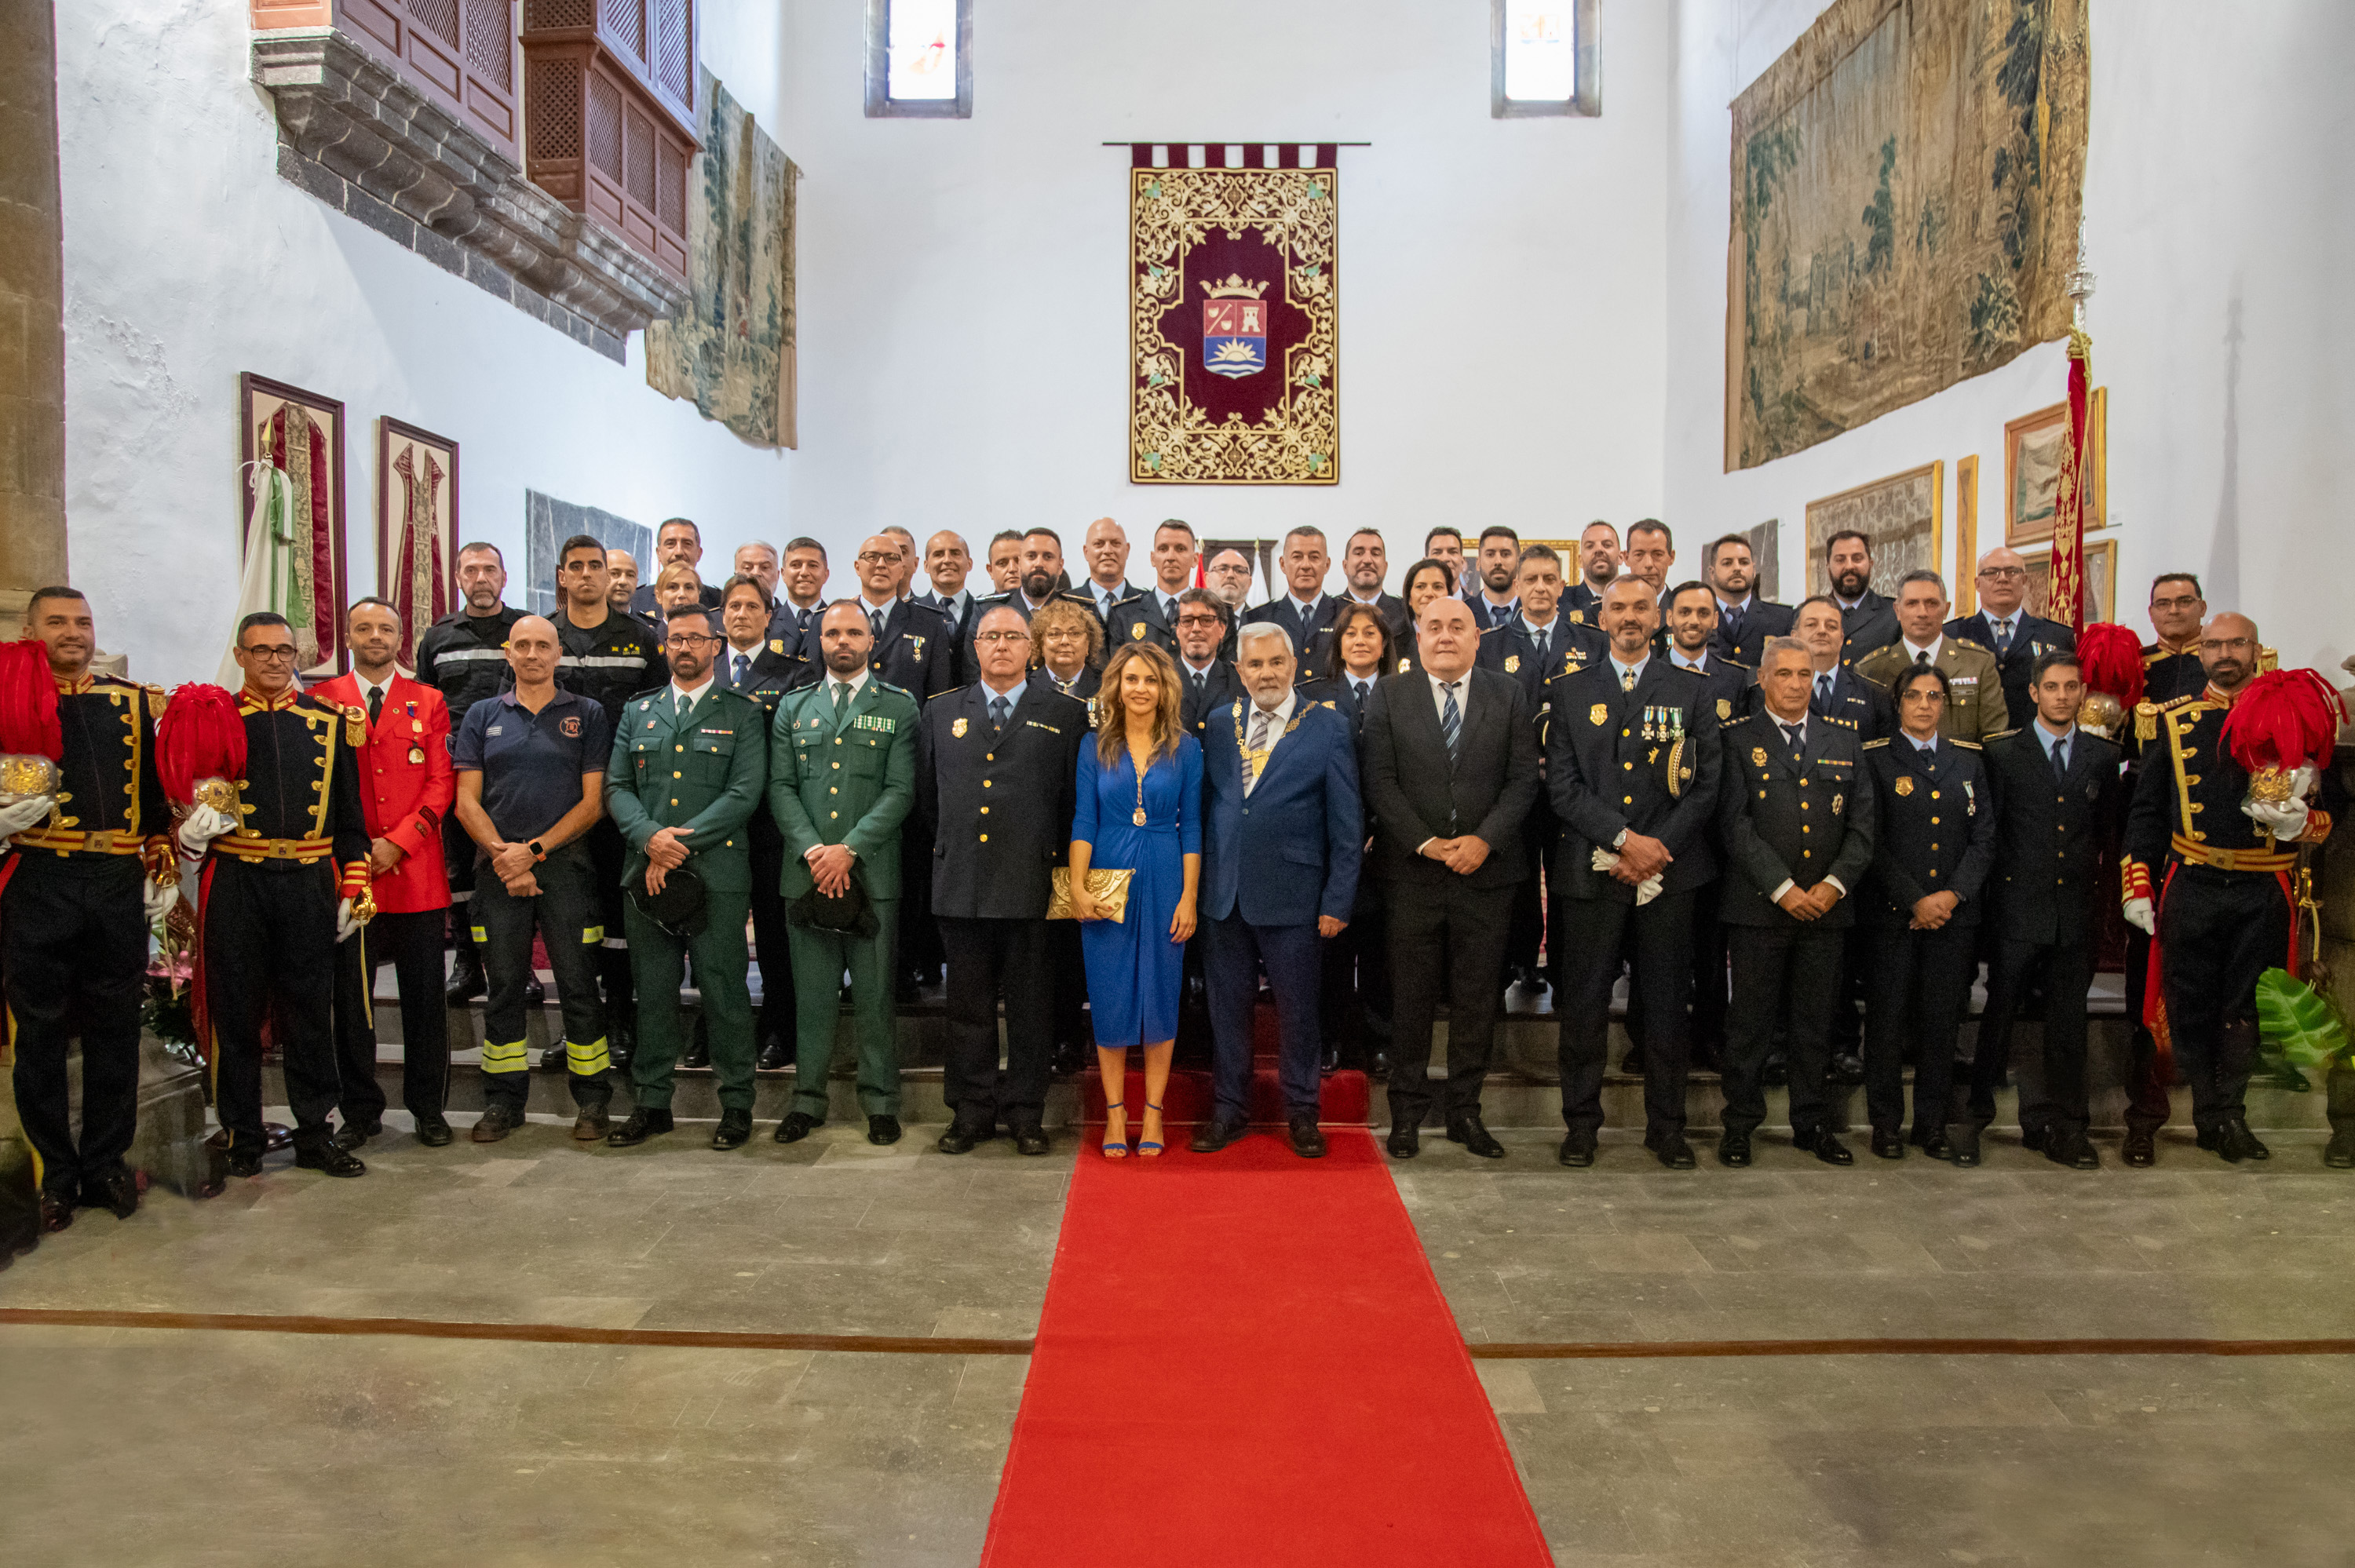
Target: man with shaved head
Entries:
(2003, 626)
(2209, 869)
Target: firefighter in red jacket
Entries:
(405, 787)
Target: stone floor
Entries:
(141, 1446)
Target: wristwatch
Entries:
(538, 854)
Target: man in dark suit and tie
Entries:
(800, 600)
(1365, 563)
(910, 648)
(1104, 547)
(1283, 838)
(1632, 765)
(1202, 628)
(2057, 798)
(2002, 625)
(677, 540)
(948, 563)
(750, 656)
(1151, 615)
(1868, 619)
(1796, 817)
(1038, 575)
(1498, 564)
(1305, 612)
(1598, 565)
(1744, 622)
(1451, 768)
(1835, 691)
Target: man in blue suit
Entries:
(1280, 872)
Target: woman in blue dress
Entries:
(1140, 809)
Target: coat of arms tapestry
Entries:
(1234, 318)
(1907, 180)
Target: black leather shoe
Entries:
(2032, 1137)
(1577, 1150)
(645, 1122)
(1475, 1139)
(1734, 1149)
(432, 1131)
(244, 1163)
(2074, 1149)
(1847, 1069)
(1632, 1063)
(534, 994)
(2234, 1141)
(1328, 1061)
(1211, 1136)
(1966, 1146)
(116, 1191)
(882, 1129)
(1404, 1142)
(796, 1126)
(553, 1059)
(353, 1134)
(2141, 1150)
(1936, 1146)
(467, 981)
(735, 1127)
(1378, 1067)
(1674, 1153)
(1307, 1138)
(1827, 1147)
(776, 1057)
(1032, 1141)
(960, 1139)
(328, 1160)
(57, 1210)
(698, 1046)
(1070, 1058)
(1887, 1145)
(2339, 1153)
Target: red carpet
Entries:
(1245, 1359)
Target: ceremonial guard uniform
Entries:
(1619, 761)
(465, 658)
(609, 663)
(1934, 831)
(2044, 893)
(2016, 646)
(995, 795)
(844, 774)
(702, 769)
(270, 888)
(1976, 707)
(73, 930)
(1787, 817)
(2225, 892)
(2170, 675)
(406, 788)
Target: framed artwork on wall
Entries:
(290, 513)
(1967, 536)
(416, 528)
(2034, 446)
(1766, 558)
(1902, 515)
(2100, 581)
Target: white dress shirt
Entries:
(1914, 650)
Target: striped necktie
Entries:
(1451, 721)
(1255, 750)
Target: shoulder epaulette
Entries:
(1871, 745)
(2152, 653)
(952, 690)
(1966, 745)
(890, 687)
(1745, 718)
(1970, 642)
(1999, 735)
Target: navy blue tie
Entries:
(996, 712)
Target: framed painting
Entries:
(2101, 581)
(1903, 517)
(290, 511)
(1766, 558)
(2034, 447)
(1967, 536)
(416, 528)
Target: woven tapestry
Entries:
(1907, 180)
(730, 350)
(1234, 320)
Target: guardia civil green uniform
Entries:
(845, 774)
(700, 770)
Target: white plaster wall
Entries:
(964, 330)
(2218, 222)
(188, 261)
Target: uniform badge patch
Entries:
(1724, 709)
(1512, 663)
(1836, 801)
(569, 728)
(1905, 784)
(1600, 713)
(958, 728)
(415, 756)
(1405, 665)
(1136, 632)
(1757, 757)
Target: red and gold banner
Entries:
(1234, 320)
(2067, 602)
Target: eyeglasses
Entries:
(1001, 636)
(2185, 602)
(1202, 620)
(874, 558)
(2003, 574)
(688, 639)
(282, 654)
(2219, 644)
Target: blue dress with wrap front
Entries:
(1135, 970)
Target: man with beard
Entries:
(1869, 620)
(1498, 604)
(1039, 568)
(1598, 566)
(463, 657)
(1744, 622)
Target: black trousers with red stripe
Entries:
(2218, 931)
(74, 934)
(270, 952)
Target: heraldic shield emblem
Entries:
(1235, 328)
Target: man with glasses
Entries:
(608, 659)
(2003, 626)
(1038, 575)
(687, 768)
(2170, 666)
(463, 657)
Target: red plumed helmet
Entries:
(28, 701)
(201, 735)
(2284, 718)
(2110, 658)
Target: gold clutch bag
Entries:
(1109, 887)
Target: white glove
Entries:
(160, 896)
(204, 824)
(18, 815)
(2139, 915)
(345, 922)
(2286, 819)
(1646, 890)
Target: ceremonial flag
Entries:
(2068, 598)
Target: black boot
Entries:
(466, 981)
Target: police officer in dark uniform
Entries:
(1355, 1012)
(2213, 880)
(609, 659)
(1039, 582)
(1150, 614)
(1933, 841)
(2057, 794)
(93, 867)
(286, 878)
(1305, 610)
(1003, 753)
(1696, 645)
(463, 657)
(1632, 765)
(1796, 818)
